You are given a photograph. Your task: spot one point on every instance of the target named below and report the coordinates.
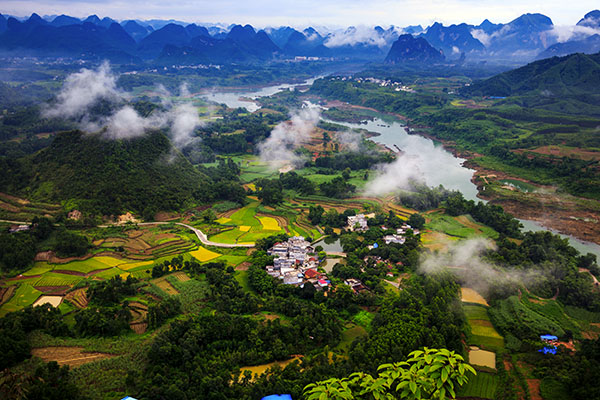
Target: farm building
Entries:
(357, 223)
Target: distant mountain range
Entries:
(408, 49)
(524, 39)
(573, 74)
(563, 84)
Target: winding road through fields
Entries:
(201, 235)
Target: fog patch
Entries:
(564, 33)
(465, 260)
(360, 35)
(400, 174)
(82, 90)
(350, 140)
(278, 149)
(483, 37)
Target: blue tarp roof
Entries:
(548, 337)
(548, 350)
(128, 398)
(278, 397)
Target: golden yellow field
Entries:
(244, 228)
(223, 220)
(203, 254)
(113, 262)
(471, 296)
(133, 265)
(269, 224)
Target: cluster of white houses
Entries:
(357, 223)
(296, 263)
(399, 236)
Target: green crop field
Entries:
(482, 386)
(453, 227)
(232, 260)
(483, 333)
(38, 269)
(109, 273)
(252, 168)
(364, 318)
(247, 228)
(56, 279)
(348, 337)
(24, 296)
(242, 278)
(89, 265)
(476, 312)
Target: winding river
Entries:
(435, 165)
(244, 98)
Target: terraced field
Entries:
(481, 386)
(245, 226)
(24, 295)
(483, 333)
(147, 242)
(458, 227)
(204, 255)
(17, 209)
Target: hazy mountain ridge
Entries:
(408, 49)
(520, 40)
(575, 74)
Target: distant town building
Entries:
(295, 262)
(356, 285)
(74, 214)
(18, 228)
(357, 223)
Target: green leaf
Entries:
(444, 375)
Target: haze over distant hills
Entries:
(524, 39)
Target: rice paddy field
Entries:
(245, 226)
(24, 295)
(469, 295)
(461, 227)
(483, 334)
(481, 386)
(46, 278)
(204, 255)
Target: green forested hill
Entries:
(108, 176)
(575, 74)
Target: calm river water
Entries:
(435, 165)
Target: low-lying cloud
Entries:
(564, 33)
(278, 149)
(84, 89)
(395, 176)
(360, 35)
(350, 140)
(465, 260)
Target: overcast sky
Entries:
(301, 13)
